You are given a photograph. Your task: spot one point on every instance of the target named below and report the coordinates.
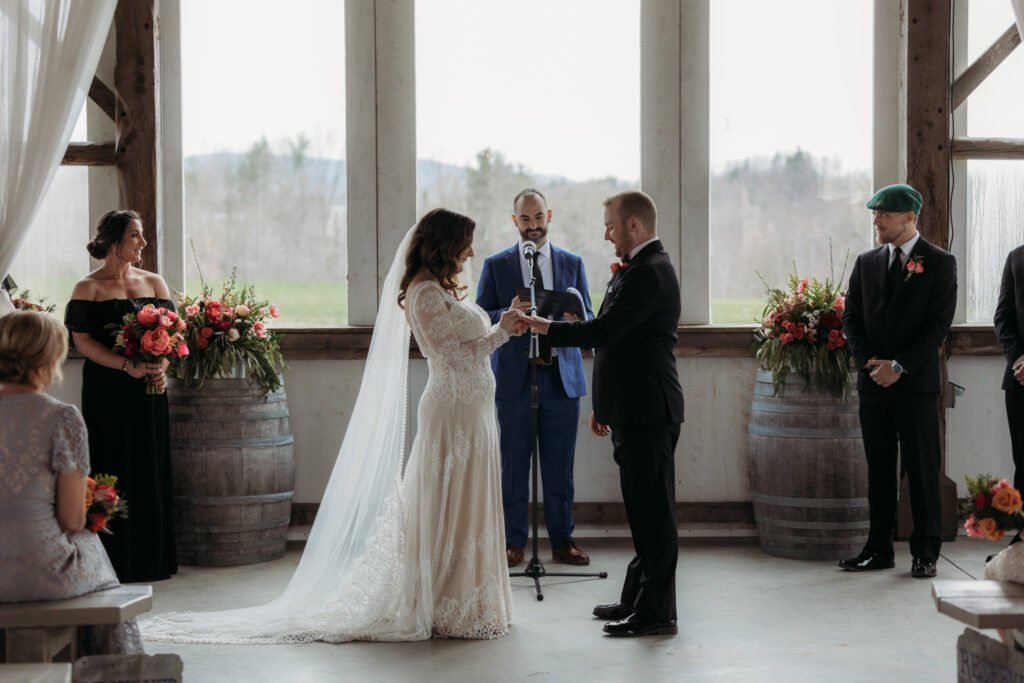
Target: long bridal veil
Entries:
(352, 581)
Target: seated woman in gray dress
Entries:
(45, 553)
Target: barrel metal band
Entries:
(238, 442)
(803, 432)
(793, 501)
(796, 409)
(193, 501)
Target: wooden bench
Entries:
(981, 604)
(35, 673)
(45, 631)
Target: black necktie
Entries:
(892, 277)
(538, 284)
(538, 279)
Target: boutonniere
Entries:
(617, 266)
(914, 265)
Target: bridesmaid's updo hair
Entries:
(31, 341)
(109, 231)
(439, 238)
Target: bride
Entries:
(396, 556)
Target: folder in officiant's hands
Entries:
(553, 305)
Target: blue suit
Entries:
(559, 387)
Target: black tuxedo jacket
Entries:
(633, 336)
(1009, 318)
(909, 327)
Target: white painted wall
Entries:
(711, 460)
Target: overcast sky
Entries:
(554, 84)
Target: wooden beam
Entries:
(928, 115)
(90, 154)
(976, 73)
(988, 148)
(135, 86)
(103, 97)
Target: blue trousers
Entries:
(557, 421)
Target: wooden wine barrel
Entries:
(808, 473)
(234, 472)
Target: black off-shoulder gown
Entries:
(128, 437)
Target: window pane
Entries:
(52, 257)
(791, 145)
(532, 93)
(263, 95)
(995, 198)
(995, 214)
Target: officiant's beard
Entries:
(535, 234)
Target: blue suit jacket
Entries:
(500, 277)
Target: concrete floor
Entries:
(744, 617)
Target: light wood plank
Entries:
(112, 606)
(982, 604)
(988, 148)
(984, 65)
(35, 673)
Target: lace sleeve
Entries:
(70, 442)
(431, 311)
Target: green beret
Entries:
(896, 198)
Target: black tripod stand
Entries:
(535, 568)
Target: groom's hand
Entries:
(597, 427)
(538, 324)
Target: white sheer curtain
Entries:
(48, 55)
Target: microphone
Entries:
(529, 249)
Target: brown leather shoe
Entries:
(514, 555)
(569, 553)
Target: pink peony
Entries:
(192, 310)
(802, 287)
(233, 334)
(147, 315)
(166, 322)
(180, 325)
(206, 333)
(273, 311)
(260, 330)
(156, 342)
(182, 349)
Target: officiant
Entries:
(560, 383)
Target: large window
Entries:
(791, 145)
(52, 257)
(531, 93)
(263, 96)
(995, 189)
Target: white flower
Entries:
(241, 310)
(233, 334)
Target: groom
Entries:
(637, 398)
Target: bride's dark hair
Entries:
(439, 238)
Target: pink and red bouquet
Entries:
(150, 335)
(226, 331)
(103, 503)
(992, 507)
(23, 302)
(802, 331)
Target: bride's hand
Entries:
(514, 322)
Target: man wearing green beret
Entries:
(899, 306)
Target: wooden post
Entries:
(135, 87)
(929, 94)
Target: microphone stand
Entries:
(535, 568)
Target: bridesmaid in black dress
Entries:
(128, 429)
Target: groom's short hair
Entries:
(636, 204)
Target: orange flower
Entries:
(90, 486)
(989, 528)
(1007, 500)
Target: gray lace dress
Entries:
(39, 438)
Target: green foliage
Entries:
(226, 333)
(801, 331)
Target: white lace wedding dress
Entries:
(431, 561)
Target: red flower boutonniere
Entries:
(914, 266)
(617, 266)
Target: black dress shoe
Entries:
(613, 612)
(634, 627)
(866, 562)
(922, 569)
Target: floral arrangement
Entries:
(992, 507)
(226, 331)
(801, 330)
(151, 334)
(103, 502)
(914, 266)
(23, 302)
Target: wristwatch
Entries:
(897, 368)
